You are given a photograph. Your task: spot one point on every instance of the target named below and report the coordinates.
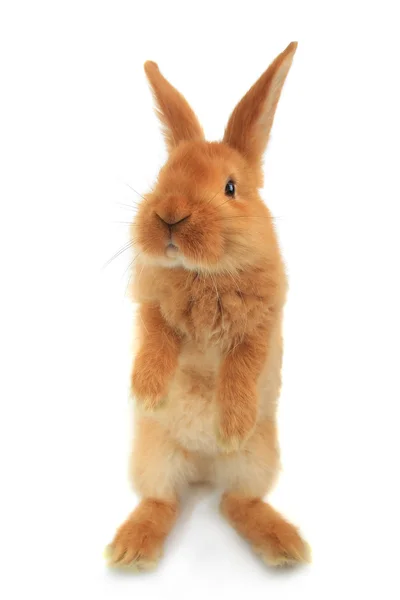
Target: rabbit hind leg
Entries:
(161, 470)
(246, 477)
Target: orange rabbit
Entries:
(211, 292)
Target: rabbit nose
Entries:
(170, 223)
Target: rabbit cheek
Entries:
(150, 235)
(201, 243)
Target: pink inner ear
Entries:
(249, 126)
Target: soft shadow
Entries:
(289, 571)
(120, 574)
(194, 494)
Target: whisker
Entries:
(236, 243)
(119, 252)
(131, 207)
(249, 217)
(227, 200)
(131, 263)
(136, 192)
(129, 268)
(215, 195)
(128, 286)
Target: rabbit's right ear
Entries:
(250, 124)
(178, 120)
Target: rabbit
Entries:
(210, 286)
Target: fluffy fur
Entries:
(211, 287)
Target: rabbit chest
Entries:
(210, 321)
(212, 315)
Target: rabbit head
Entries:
(205, 212)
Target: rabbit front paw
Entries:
(232, 434)
(148, 389)
(237, 416)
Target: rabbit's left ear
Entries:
(250, 124)
(177, 118)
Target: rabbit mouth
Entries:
(171, 251)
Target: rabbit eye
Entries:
(230, 189)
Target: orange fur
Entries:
(211, 287)
(278, 541)
(148, 384)
(138, 542)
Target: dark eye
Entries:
(230, 189)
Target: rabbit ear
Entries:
(250, 124)
(177, 118)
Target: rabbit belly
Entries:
(189, 409)
(189, 412)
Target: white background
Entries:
(77, 126)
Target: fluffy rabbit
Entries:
(211, 288)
